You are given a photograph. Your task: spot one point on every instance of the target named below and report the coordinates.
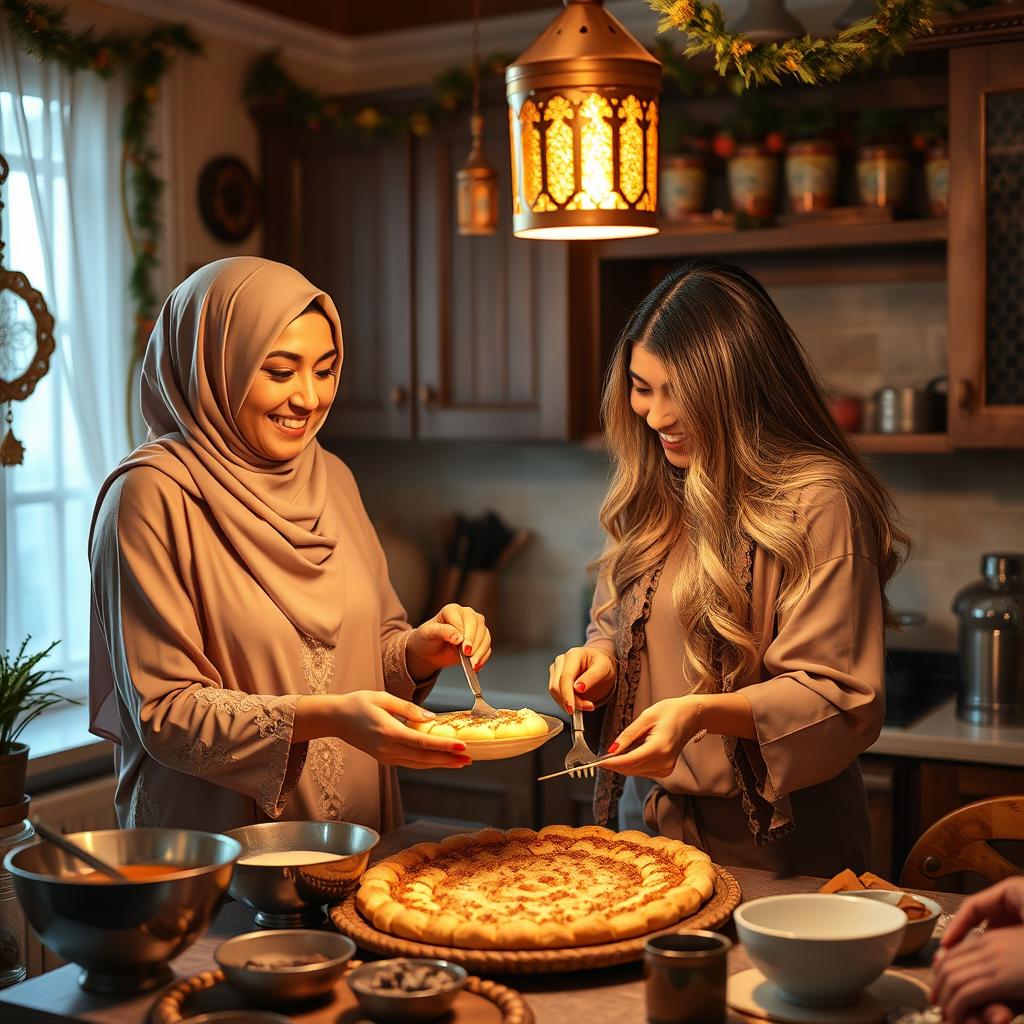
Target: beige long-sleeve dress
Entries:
(206, 703)
(793, 799)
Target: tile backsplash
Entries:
(954, 506)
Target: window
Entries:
(62, 230)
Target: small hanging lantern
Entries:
(583, 122)
(476, 184)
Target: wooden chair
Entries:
(959, 842)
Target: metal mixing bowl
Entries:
(124, 933)
(405, 1006)
(293, 896)
(284, 984)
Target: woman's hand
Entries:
(436, 643)
(1000, 905)
(975, 975)
(366, 719)
(658, 735)
(980, 974)
(582, 676)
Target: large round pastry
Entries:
(557, 888)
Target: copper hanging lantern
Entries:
(583, 124)
(476, 183)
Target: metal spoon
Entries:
(51, 835)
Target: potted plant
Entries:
(26, 691)
(883, 162)
(812, 159)
(750, 141)
(931, 131)
(683, 168)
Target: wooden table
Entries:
(609, 996)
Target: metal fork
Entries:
(480, 706)
(579, 762)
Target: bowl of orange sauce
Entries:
(124, 933)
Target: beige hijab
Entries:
(210, 340)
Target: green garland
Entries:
(805, 58)
(40, 30)
(270, 90)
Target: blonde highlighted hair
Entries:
(760, 434)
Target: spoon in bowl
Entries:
(51, 835)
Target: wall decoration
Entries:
(228, 199)
(19, 337)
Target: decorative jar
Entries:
(753, 182)
(883, 176)
(683, 182)
(936, 177)
(812, 170)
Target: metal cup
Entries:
(685, 976)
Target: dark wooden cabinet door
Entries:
(342, 215)
(492, 341)
(986, 245)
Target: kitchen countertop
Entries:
(520, 679)
(610, 996)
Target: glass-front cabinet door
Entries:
(986, 246)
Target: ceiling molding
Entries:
(380, 60)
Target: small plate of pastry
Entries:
(509, 734)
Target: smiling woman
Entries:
(249, 656)
(741, 595)
(293, 389)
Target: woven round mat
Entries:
(713, 914)
(169, 1007)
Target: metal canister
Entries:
(991, 643)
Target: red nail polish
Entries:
(579, 687)
(458, 747)
(467, 649)
(612, 747)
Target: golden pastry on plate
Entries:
(464, 725)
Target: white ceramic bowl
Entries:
(918, 932)
(820, 949)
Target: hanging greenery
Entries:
(804, 58)
(269, 89)
(41, 30)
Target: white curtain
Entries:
(63, 228)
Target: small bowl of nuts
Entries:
(284, 966)
(407, 988)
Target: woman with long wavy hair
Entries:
(737, 632)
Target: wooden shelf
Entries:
(684, 242)
(908, 444)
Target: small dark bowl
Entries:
(285, 984)
(406, 1006)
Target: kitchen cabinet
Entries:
(986, 245)
(491, 312)
(342, 214)
(446, 337)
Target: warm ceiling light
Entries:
(583, 121)
(476, 183)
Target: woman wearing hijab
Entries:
(248, 653)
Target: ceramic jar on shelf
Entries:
(812, 173)
(683, 185)
(883, 176)
(753, 181)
